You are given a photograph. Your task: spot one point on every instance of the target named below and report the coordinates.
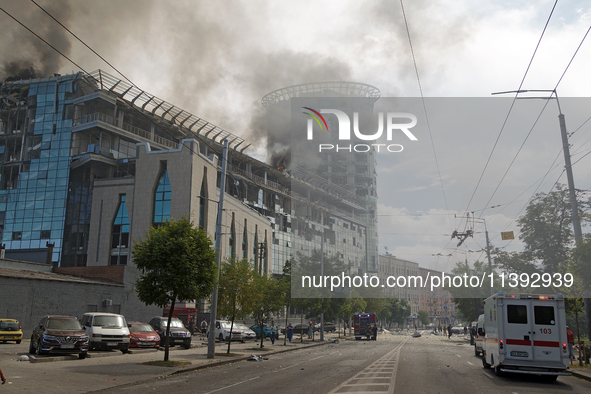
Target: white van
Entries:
(106, 331)
(479, 337)
(525, 333)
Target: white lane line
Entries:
(302, 362)
(469, 362)
(458, 355)
(232, 385)
(487, 375)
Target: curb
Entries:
(581, 375)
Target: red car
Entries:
(142, 335)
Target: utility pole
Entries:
(571, 190)
(322, 276)
(262, 255)
(218, 249)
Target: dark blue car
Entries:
(257, 330)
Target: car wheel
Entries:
(476, 352)
(39, 352)
(484, 363)
(31, 348)
(550, 378)
(18, 342)
(82, 356)
(498, 371)
(125, 351)
(187, 345)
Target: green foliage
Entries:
(177, 262)
(469, 308)
(265, 300)
(399, 310)
(233, 290)
(546, 228)
(423, 316)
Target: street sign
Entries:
(505, 235)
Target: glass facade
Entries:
(162, 198)
(120, 235)
(35, 177)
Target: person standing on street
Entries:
(289, 331)
(375, 333)
(2, 376)
(192, 326)
(273, 330)
(310, 330)
(449, 331)
(204, 326)
(570, 338)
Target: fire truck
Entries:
(363, 324)
(525, 333)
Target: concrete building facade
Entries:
(390, 266)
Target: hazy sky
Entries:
(217, 59)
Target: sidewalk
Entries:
(109, 369)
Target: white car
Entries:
(247, 333)
(222, 331)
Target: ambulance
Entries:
(525, 333)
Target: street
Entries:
(429, 364)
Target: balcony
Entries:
(110, 123)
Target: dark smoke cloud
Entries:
(24, 55)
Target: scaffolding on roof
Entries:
(184, 120)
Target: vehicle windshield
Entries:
(241, 326)
(227, 325)
(175, 323)
(109, 321)
(8, 326)
(141, 327)
(63, 324)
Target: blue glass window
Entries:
(120, 235)
(162, 198)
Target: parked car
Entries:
(60, 335)
(10, 330)
(328, 327)
(106, 331)
(222, 331)
(179, 335)
(257, 330)
(247, 333)
(142, 335)
(301, 328)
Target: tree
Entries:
(177, 262)
(546, 228)
(265, 300)
(233, 289)
(423, 316)
(399, 310)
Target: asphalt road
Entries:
(429, 364)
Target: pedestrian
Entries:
(2, 376)
(192, 326)
(310, 330)
(375, 332)
(465, 330)
(289, 331)
(570, 338)
(204, 326)
(449, 331)
(440, 329)
(444, 330)
(273, 330)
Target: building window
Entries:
(203, 202)
(232, 251)
(244, 242)
(120, 235)
(162, 198)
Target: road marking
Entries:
(232, 385)
(469, 362)
(395, 353)
(458, 355)
(302, 362)
(487, 375)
